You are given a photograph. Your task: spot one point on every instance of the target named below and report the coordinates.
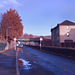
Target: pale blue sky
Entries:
(38, 16)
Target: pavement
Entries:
(41, 63)
(8, 62)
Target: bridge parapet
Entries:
(29, 40)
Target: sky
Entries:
(39, 16)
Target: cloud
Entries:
(8, 2)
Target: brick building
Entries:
(63, 33)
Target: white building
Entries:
(64, 31)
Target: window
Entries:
(68, 34)
(67, 27)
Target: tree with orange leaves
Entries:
(11, 22)
(28, 36)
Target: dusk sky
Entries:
(39, 16)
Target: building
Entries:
(62, 33)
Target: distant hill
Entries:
(35, 36)
(45, 37)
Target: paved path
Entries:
(41, 63)
(8, 62)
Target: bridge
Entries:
(29, 40)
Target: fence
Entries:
(2, 46)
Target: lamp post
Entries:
(40, 42)
(7, 36)
(15, 42)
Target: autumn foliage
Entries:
(11, 22)
(28, 35)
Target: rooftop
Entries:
(66, 22)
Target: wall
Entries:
(2, 46)
(63, 33)
(66, 52)
(55, 36)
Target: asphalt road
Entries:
(40, 63)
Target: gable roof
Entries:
(66, 22)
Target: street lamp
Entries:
(15, 42)
(7, 36)
(40, 42)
